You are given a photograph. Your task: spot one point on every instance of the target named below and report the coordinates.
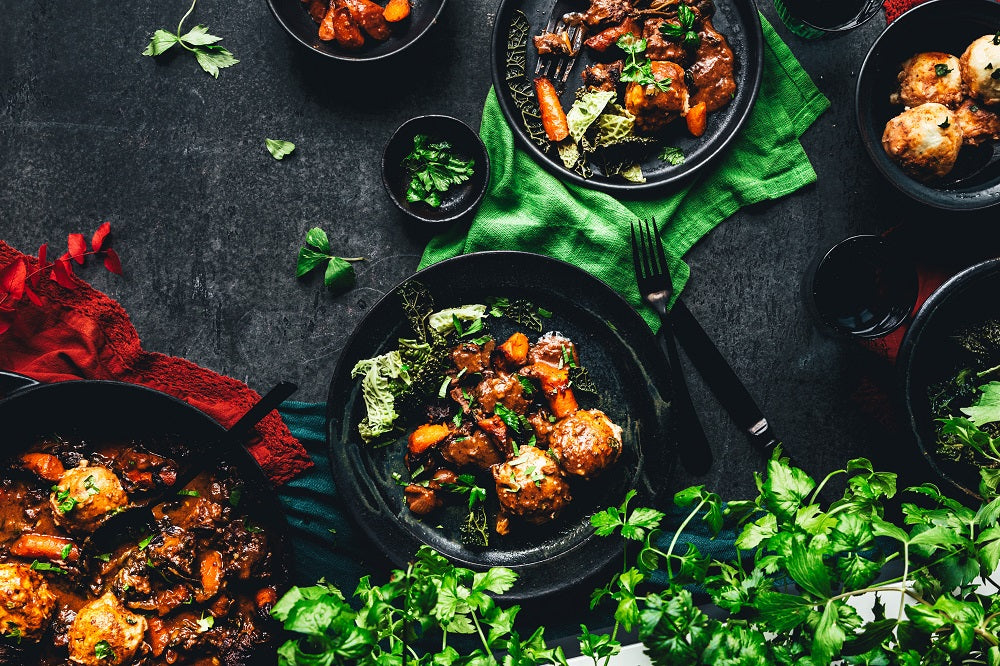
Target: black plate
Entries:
(616, 346)
(294, 18)
(940, 25)
(927, 356)
(738, 20)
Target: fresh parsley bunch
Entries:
(639, 70)
(434, 170)
(197, 41)
(683, 30)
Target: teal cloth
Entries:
(527, 208)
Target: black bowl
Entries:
(939, 25)
(928, 355)
(294, 18)
(459, 200)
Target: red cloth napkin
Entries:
(83, 334)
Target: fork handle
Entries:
(694, 451)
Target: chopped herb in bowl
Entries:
(434, 169)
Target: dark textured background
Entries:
(208, 224)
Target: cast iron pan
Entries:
(109, 411)
(737, 20)
(619, 351)
(927, 355)
(940, 25)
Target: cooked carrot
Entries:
(696, 118)
(396, 10)
(327, 31)
(515, 350)
(265, 598)
(369, 16)
(210, 569)
(563, 403)
(42, 546)
(159, 635)
(496, 427)
(45, 465)
(427, 436)
(605, 39)
(553, 116)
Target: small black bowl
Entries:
(939, 25)
(294, 18)
(459, 200)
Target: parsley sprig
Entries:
(339, 273)
(198, 41)
(683, 30)
(639, 70)
(433, 170)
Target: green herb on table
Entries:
(279, 148)
(433, 169)
(672, 155)
(942, 70)
(198, 41)
(338, 272)
(683, 31)
(636, 69)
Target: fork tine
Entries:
(647, 250)
(664, 266)
(635, 255)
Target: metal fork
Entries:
(652, 274)
(557, 66)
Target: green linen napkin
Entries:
(527, 208)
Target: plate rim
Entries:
(521, 591)
(755, 45)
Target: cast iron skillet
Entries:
(737, 20)
(940, 25)
(616, 346)
(926, 356)
(106, 411)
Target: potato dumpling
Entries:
(980, 66)
(930, 77)
(105, 632)
(26, 603)
(85, 495)
(924, 141)
(531, 486)
(978, 123)
(586, 442)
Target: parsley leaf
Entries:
(639, 71)
(279, 148)
(941, 69)
(339, 273)
(683, 30)
(672, 155)
(104, 652)
(198, 41)
(433, 170)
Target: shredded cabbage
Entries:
(441, 322)
(585, 111)
(377, 391)
(614, 126)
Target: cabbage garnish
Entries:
(615, 125)
(382, 375)
(442, 322)
(633, 173)
(586, 110)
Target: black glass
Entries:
(862, 287)
(816, 18)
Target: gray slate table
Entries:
(208, 224)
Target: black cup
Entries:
(862, 287)
(811, 19)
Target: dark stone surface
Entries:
(208, 224)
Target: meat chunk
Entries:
(978, 123)
(531, 486)
(603, 77)
(175, 551)
(659, 47)
(84, 496)
(549, 43)
(501, 388)
(26, 602)
(369, 16)
(607, 11)
(608, 37)
(654, 108)
(924, 141)
(244, 550)
(979, 64)
(585, 443)
(712, 69)
(475, 450)
(930, 77)
(105, 621)
(555, 349)
(542, 423)
(471, 357)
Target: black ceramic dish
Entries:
(294, 18)
(110, 411)
(738, 20)
(459, 200)
(616, 346)
(939, 25)
(927, 356)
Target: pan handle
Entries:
(12, 382)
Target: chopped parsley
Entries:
(91, 487)
(639, 70)
(205, 623)
(443, 391)
(13, 631)
(672, 155)
(45, 566)
(942, 70)
(103, 651)
(188, 493)
(103, 557)
(527, 388)
(145, 542)
(67, 549)
(235, 496)
(65, 503)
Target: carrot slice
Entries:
(553, 116)
(515, 350)
(41, 546)
(45, 465)
(396, 10)
(427, 436)
(697, 117)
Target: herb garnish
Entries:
(941, 69)
(672, 155)
(91, 487)
(103, 557)
(188, 492)
(145, 542)
(466, 485)
(64, 553)
(45, 566)
(519, 311)
(946, 124)
(433, 169)
(205, 623)
(683, 30)
(278, 148)
(339, 273)
(210, 55)
(13, 631)
(639, 71)
(65, 502)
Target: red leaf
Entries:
(42, 256)
(32, 296)
(112, 262)
(61, 274)
(99, 236)
(65, 260)
(12, 280)
(77, 247)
